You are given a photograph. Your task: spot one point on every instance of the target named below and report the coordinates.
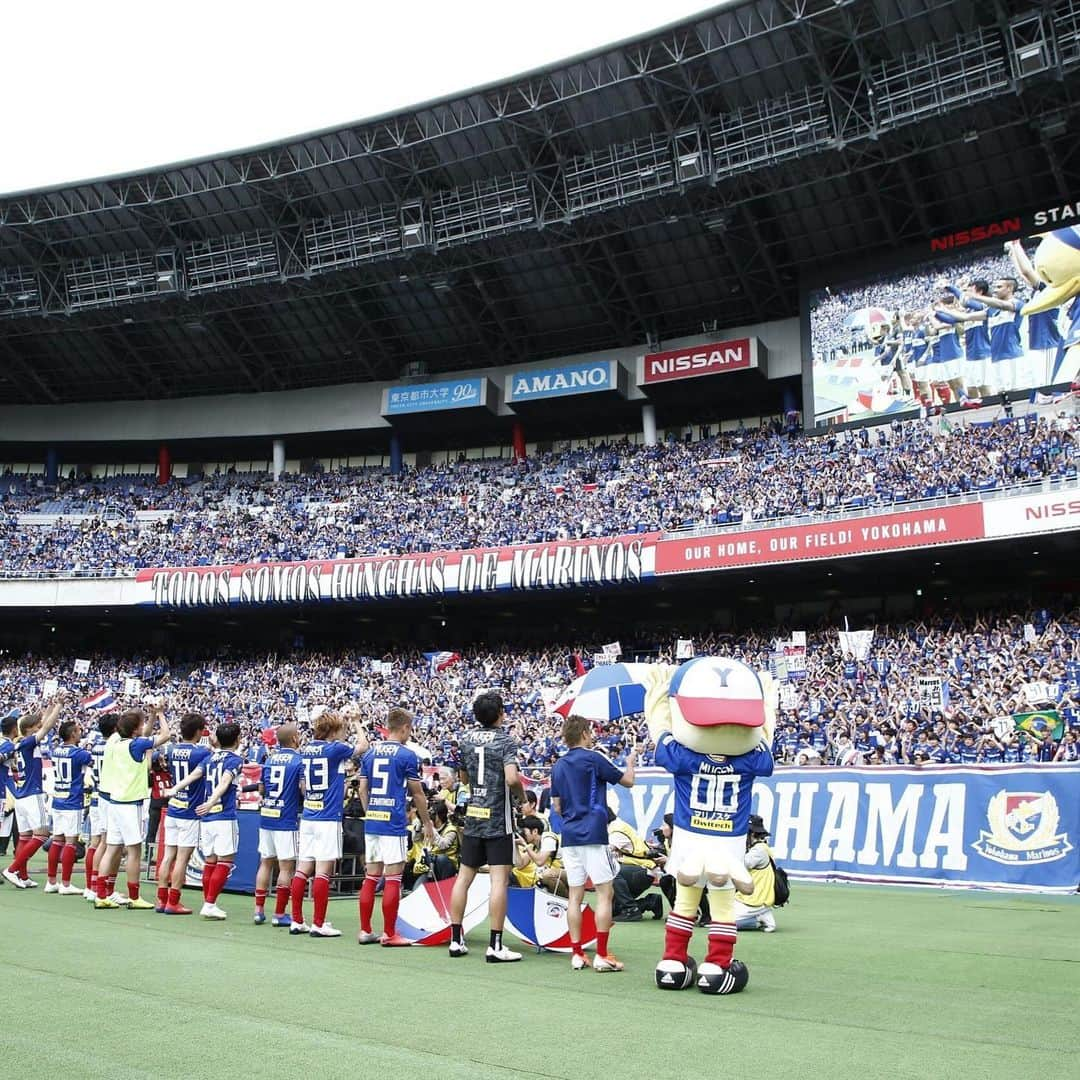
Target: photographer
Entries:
(536, 858)
(440, 859)
(638, 871)
(754, 912)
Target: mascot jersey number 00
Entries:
(712, 721)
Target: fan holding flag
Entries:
(440, 661)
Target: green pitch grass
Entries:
(858, 982)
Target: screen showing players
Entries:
(950, 329)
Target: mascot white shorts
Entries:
(699, 855)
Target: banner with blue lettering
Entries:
(994, 827)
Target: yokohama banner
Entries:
(624, 560)
(831, 540)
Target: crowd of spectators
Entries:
(843, 711)
(89, 526)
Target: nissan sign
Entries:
(713, 358)
(586, 377)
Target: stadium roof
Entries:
(685, 180)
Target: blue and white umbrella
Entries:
(611, 691)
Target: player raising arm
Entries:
(489, 765)
(323, 761)
(390, 774)
(25, 783)
(579, 782)
(125, 776)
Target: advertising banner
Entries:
(799, 543)
(561, 565)
(587, 377)
(1049, 511)
(714, 358)
(996, 827)
(435, 397)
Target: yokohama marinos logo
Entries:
(711, 359)
(1023, 829)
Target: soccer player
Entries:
(323, 761)
(99, 804)
(125, 776)
(489, 765)
(279, 823)
(69, 762)
(219, 831)
(186, 761)
(1006, 350)
(579, 782)
(24, 780)
(390, 774)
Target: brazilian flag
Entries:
(1038, 724)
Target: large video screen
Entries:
(947, 330)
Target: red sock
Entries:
(677, 935)
(217, 882)
(281, 900)
(260, 899)
(20, 843)
(133, 890)
(89, 867)
(391, 897)
(110, 881)
(601, 942)
(722, 936)
(576, 949)
(102, 886)
(67, 863)
(30, 849)
(320, 894)
(162, 895)
(207, 878)
(367, 902)
(173, 897)
(55, 851)
(296, 891)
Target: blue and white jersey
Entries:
(1004, 335)
(220, 763)
(183, 759)
(712, 793)
(69, 789)
(324, 779)
(282, 773)
(7, 748)
(25, 766)
(97, 754)
(976, 334)
(579, 780)
(388, 767)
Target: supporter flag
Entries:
(1040, 724)
(579, 665)
(440, 661)
(564, 703)
(102, 701)
(612, 691)
(539, 918)
(1039, 398)
(684, 649)
(424, 915)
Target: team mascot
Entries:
(712, 721)
(1057, 262)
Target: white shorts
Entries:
(320, 840)
(66, 822)
(181, 832)
(696, 854)
(30, 815)
(583, 862)
(280, 844)
(98, 823)
(388, 850)
(219, 838)
(126, 824)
